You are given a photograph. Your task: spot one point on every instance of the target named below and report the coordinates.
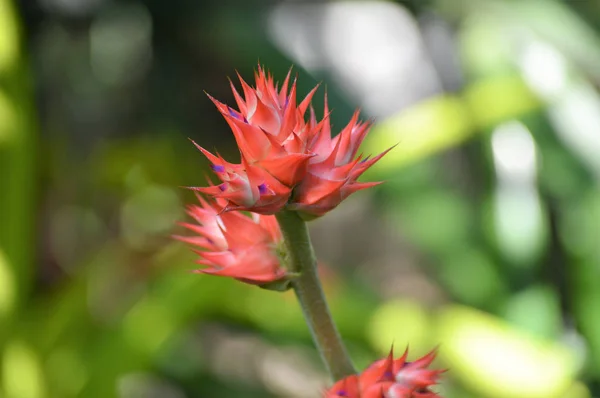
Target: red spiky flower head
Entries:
(286, 160)
(390, 378)
(333, 172)
(234, 244)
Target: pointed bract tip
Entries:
(388, 378)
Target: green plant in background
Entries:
(515, 88)
(20, 373)
(17, 173)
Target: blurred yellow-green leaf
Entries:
(22, 375)
(500, 361)
(422, 130)
(400, 324)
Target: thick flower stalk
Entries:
(390, 378)
(244, 247)
(288, 160)
(311, 297)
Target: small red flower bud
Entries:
(390, 378)
(234, 244)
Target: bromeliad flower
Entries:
(333, 172)
(245, 187)
(286, 160)
(390, 378)
(236, 245)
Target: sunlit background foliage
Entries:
(485, 239)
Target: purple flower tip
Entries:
(217, 168)
(223, 187)
(262, 189)
(233, 113)
(236, 115)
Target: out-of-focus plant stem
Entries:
(309, 291)
(17, 162)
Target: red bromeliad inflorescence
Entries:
(390, 378)
(235, 244)
(288, 159)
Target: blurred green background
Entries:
(485, 238)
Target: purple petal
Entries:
(236, 115)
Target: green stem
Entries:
(17, 166)
(311, 297)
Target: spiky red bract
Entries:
(390, 378)
(234, 244)
(287, 159)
